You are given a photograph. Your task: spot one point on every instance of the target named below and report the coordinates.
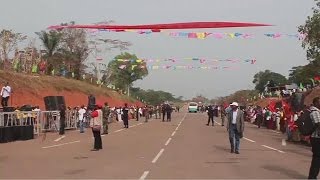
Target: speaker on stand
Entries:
(53, 103)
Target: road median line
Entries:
(168, 141)
(57, 145)
(157, 156)
(144, 175)
(272, 148)
(250, 140)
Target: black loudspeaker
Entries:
(53, 103)
(8, 109)
(91, 102)
(26, 108)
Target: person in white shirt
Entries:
(235, 126)
(5, 94)
(81, 112)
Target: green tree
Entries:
(154, 97)
(50, 40)
(263, 77)
(311, 29)
(124, 73)
(8, 42)
(75, 48)
(303, 74)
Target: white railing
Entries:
(42, 121)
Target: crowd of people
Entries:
(98, 117)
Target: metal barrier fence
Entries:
(42, 121)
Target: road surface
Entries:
(181, 149)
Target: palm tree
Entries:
(50, 41)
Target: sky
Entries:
(278, 55)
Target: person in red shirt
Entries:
(96, 125)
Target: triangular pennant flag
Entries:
(201, 35)
(122, 66)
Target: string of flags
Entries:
(200, 60)
(204, 35)
(141, 63)
(170, 67)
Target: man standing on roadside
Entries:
(163, 109)
(235, 126)
(125, 115)
(137, 113)
(62, 109)
(210, 115)
(106, 113)
(315, 139)
(5, 95)
(81, 113)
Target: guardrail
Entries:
(42, 121)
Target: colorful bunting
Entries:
(205, 35)
(201, 60)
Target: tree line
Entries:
(65, 52)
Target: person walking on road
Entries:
(125, 115)
(81, 113)
(315, 139)
(235, 127)
(210, 115)
(163, 108)
(169, 111)
(223, 115)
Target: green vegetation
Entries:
(154, 97)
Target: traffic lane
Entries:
(276, 140)
(273, 139)
(53, 138)
(125, 155)
(199, 151)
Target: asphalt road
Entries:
(182, 149)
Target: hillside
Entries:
(309, 95)
(30, 89)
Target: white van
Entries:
(193, 107)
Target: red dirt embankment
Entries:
(309, 95)
(28, 89)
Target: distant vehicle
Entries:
(193, 107)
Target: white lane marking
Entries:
(119, 130)
(158, 155)
(174, 132)
(272, 148)
(144, 175)
(177, 128)
(275, 131)
(103, 135)
(57, 145)
(133, 125)
(168, 141)
(249, 139)
(217, 123)
(139, 124)
(60, 138)
(284, 142)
